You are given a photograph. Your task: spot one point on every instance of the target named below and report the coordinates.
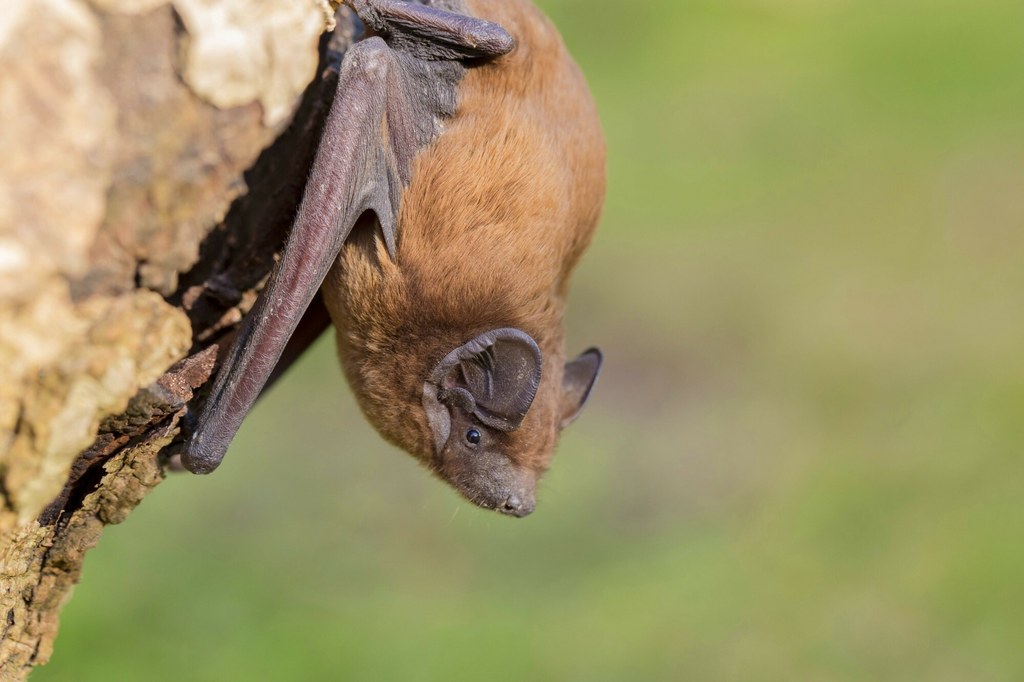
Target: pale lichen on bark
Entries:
(144, 185)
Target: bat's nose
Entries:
(517, 505)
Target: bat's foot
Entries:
(432, 33)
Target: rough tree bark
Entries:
(151, 156)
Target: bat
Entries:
(459, 178)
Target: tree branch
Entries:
(146, 181)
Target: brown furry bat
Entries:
(459, 178)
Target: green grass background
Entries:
(804, 458)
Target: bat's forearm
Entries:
(347, 178)
(248, 368)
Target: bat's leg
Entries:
(352, 173)
(432, 33)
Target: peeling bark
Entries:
(148, 174)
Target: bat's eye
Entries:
(473, 436)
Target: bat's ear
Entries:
(494, 377)
(577, 382)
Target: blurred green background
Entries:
(804, 458)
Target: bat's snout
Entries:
(491, 481)
(518, 505)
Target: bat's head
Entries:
(495, 418)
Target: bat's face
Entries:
(495, 422)
(481, 463)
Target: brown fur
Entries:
(498, 212)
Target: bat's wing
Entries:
(349, 176)
(372, 132)
(315, 321)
